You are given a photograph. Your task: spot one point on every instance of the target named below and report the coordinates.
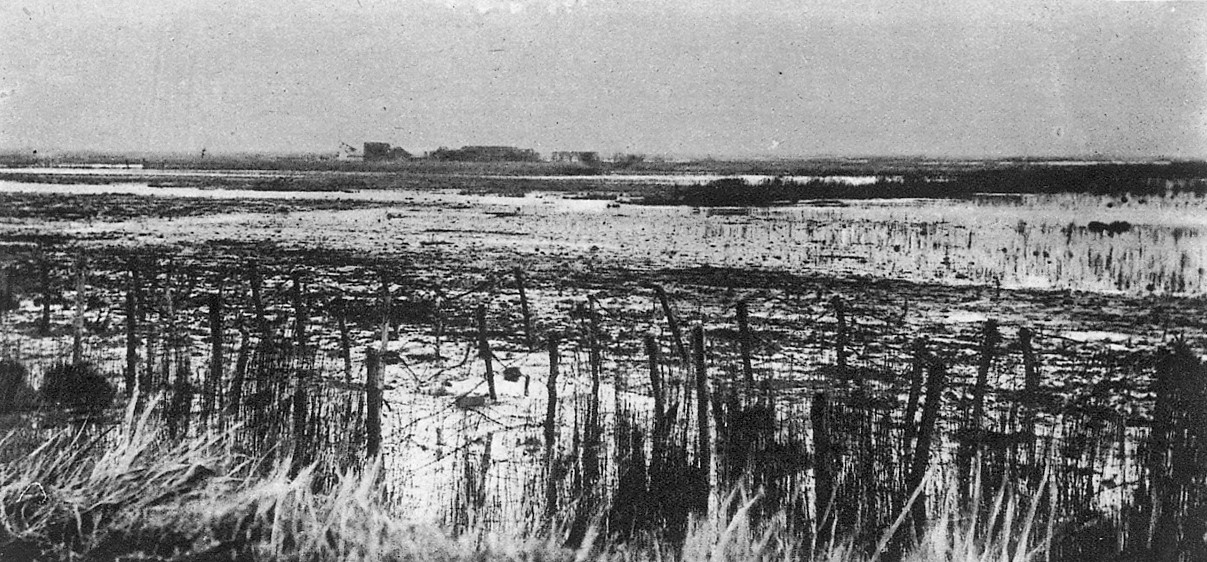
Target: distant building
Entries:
(379, 151)
(349, 153)
(486, 154)
(581, 157)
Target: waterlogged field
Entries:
(1039, 242)
(1101, 284)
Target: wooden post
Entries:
(131, 378)
(972, 426)
(7, 302)
(705, 453)
(840, 338)
(551, 431)
(651, 351)
(386, 306)
(484, 352)
(236, 389)
(169, 332)
(345, 338)
(917, 376)
(519, 280)
(301, 443)
(595, 359)
(1031, 391)
(257, 299)
(216, 360)
(823, 462)
(300, 313)
(77, 332)
(154, 340)
(744, 340)
(592, 432)
(373, 393)
(438, 322)
(44, 269)
(988, 346)
(1030, 366)
(921, 457)
(672, 322)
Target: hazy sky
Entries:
(719, 77)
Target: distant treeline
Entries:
(1100, 179)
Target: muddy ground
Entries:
(201, 244)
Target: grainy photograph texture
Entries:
(603, 280)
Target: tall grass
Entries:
(128, 490)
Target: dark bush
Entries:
(15, 393)
(79, 386)
(1113, 228)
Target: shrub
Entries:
(15, 393)
(77, 386)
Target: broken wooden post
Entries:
(744, 340)
(551, 431)
(484, 352)
(373, 394)
(77, 331)
(676, 334)
(705, 453)
(840, 338)
(131, 375)
(921, 457)
(299, 311)
(519, 280)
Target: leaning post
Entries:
(484, 352)
(519, 280)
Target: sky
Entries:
(719, 78)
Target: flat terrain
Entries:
(1100, 303)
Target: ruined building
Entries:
(486, 154)
(580, 157)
